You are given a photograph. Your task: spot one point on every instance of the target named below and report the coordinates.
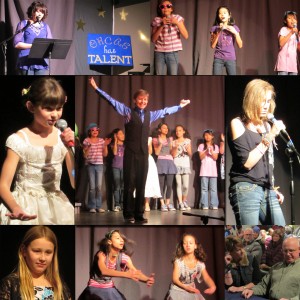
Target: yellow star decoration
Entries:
(80, 24)
(123, 15)
(101, 12)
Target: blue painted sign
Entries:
(108, 49)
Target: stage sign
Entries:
(108, 49)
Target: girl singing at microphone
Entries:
(253, 196)
(34, 27)
(35, 155)
(167, 29)
(224, 34)
(288, 38)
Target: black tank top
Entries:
(262, 173)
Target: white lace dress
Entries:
(37, 184)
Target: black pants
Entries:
(135, 174)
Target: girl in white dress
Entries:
(35, 155)
(152, 188)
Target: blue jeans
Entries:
(286, 73)
(209, 186)
(219, 64)
(34, 72)
(166, 59)
(252, 203)
(95, 173)
(118, 186)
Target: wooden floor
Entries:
(155, 217)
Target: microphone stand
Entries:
(204, 218)
(3, 44)
(290, 154)
(290, 151)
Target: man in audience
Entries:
(250, 245)
(283, 280)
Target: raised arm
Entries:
(237, 129)
(181, 27)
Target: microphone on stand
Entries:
(283, 133)
(62, 124)
(24, 28)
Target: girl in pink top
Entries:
(209, 152)
(112, 260)
(167, 29)
(288, 38)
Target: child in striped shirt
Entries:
(94, 149)
(112, 260)
(167, 29)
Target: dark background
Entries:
(14, 116)
(287, 109)
(11, 238)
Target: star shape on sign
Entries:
(123, 15)
(80, 24)
(101, 12)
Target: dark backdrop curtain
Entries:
(61, 22)
(205, 111)
(11, 238)
(14, 115)
(287, 107)
(153, 251)
(259, 22)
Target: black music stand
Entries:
(50, 49)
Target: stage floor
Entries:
(155, 217)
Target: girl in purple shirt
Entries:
(26, 32)
(224, 34)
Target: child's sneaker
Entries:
(171, 207)
(117, 208)
(186, 205)
(164, 207)
(181, 206)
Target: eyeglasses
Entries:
(165, 6)
(94, 129)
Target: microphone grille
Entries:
(61, 124)
(270, 116)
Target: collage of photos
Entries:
(149, 150)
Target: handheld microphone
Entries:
(39, 19)
(283, 133)
(62, 124)
(169, 25)
(297, 37)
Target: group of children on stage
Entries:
(169, 159)
(168, 27)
